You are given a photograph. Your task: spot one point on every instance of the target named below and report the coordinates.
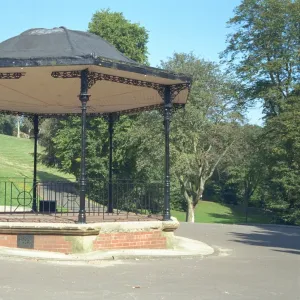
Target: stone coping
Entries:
(86, 229)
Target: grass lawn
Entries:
(16, 169)
(16, 160)
(211, 212)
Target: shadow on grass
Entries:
(283, 238)
(45, 176)
(237, 215)
(226, 218)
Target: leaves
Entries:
(129, 38)
(263, 50)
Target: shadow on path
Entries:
(286, 239)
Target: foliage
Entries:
(245, 173)
(280, 152)
(7, 124)
(263, 50)
(26, 125)
(47, 133)
(129, 38)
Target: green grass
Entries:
(211, 212)
(16, 169)
(16, 160)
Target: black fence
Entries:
(62, 197)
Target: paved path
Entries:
(10, 209)
(252, 263)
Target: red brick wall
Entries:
(54, 243)
(7, 240)
(130, 240)
(121, 240)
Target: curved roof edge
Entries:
(91, 60)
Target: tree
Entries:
(245, 173)
(202, 135)
(19, 119)
(263, 50)
(129, 38)
(280, 153)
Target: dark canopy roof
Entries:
(40, 74)
(58, 42)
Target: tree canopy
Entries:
(129, 38)
(263, 50)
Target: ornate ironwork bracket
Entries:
(93, 77)
(16, 75)
(177, 88)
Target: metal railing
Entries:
(62, 197)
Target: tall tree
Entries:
(202, 135)
(280, 153)
(129, 38)
(245, 172)
(263, 50)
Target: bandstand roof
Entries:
(40, 74)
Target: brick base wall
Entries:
(54, 243)
(104, 241)
(130, 240)
(7, 240)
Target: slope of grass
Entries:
(16, 170)
(211, 212)
(16, 161)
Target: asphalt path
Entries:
(250, 262)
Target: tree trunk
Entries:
(190, 214)
(18, 127)
(246, 206)
(201, 188)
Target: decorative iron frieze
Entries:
(93, 77)
(63, 116)
(118, 79)
(66, 74)
(177, 88)
(142, 109)
(16, 75)
(112, 117)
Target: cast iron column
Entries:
(111, 132)
(84, 98)
(35, 132)
(167, 120)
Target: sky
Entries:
(197, 26)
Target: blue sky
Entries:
(181, 26)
